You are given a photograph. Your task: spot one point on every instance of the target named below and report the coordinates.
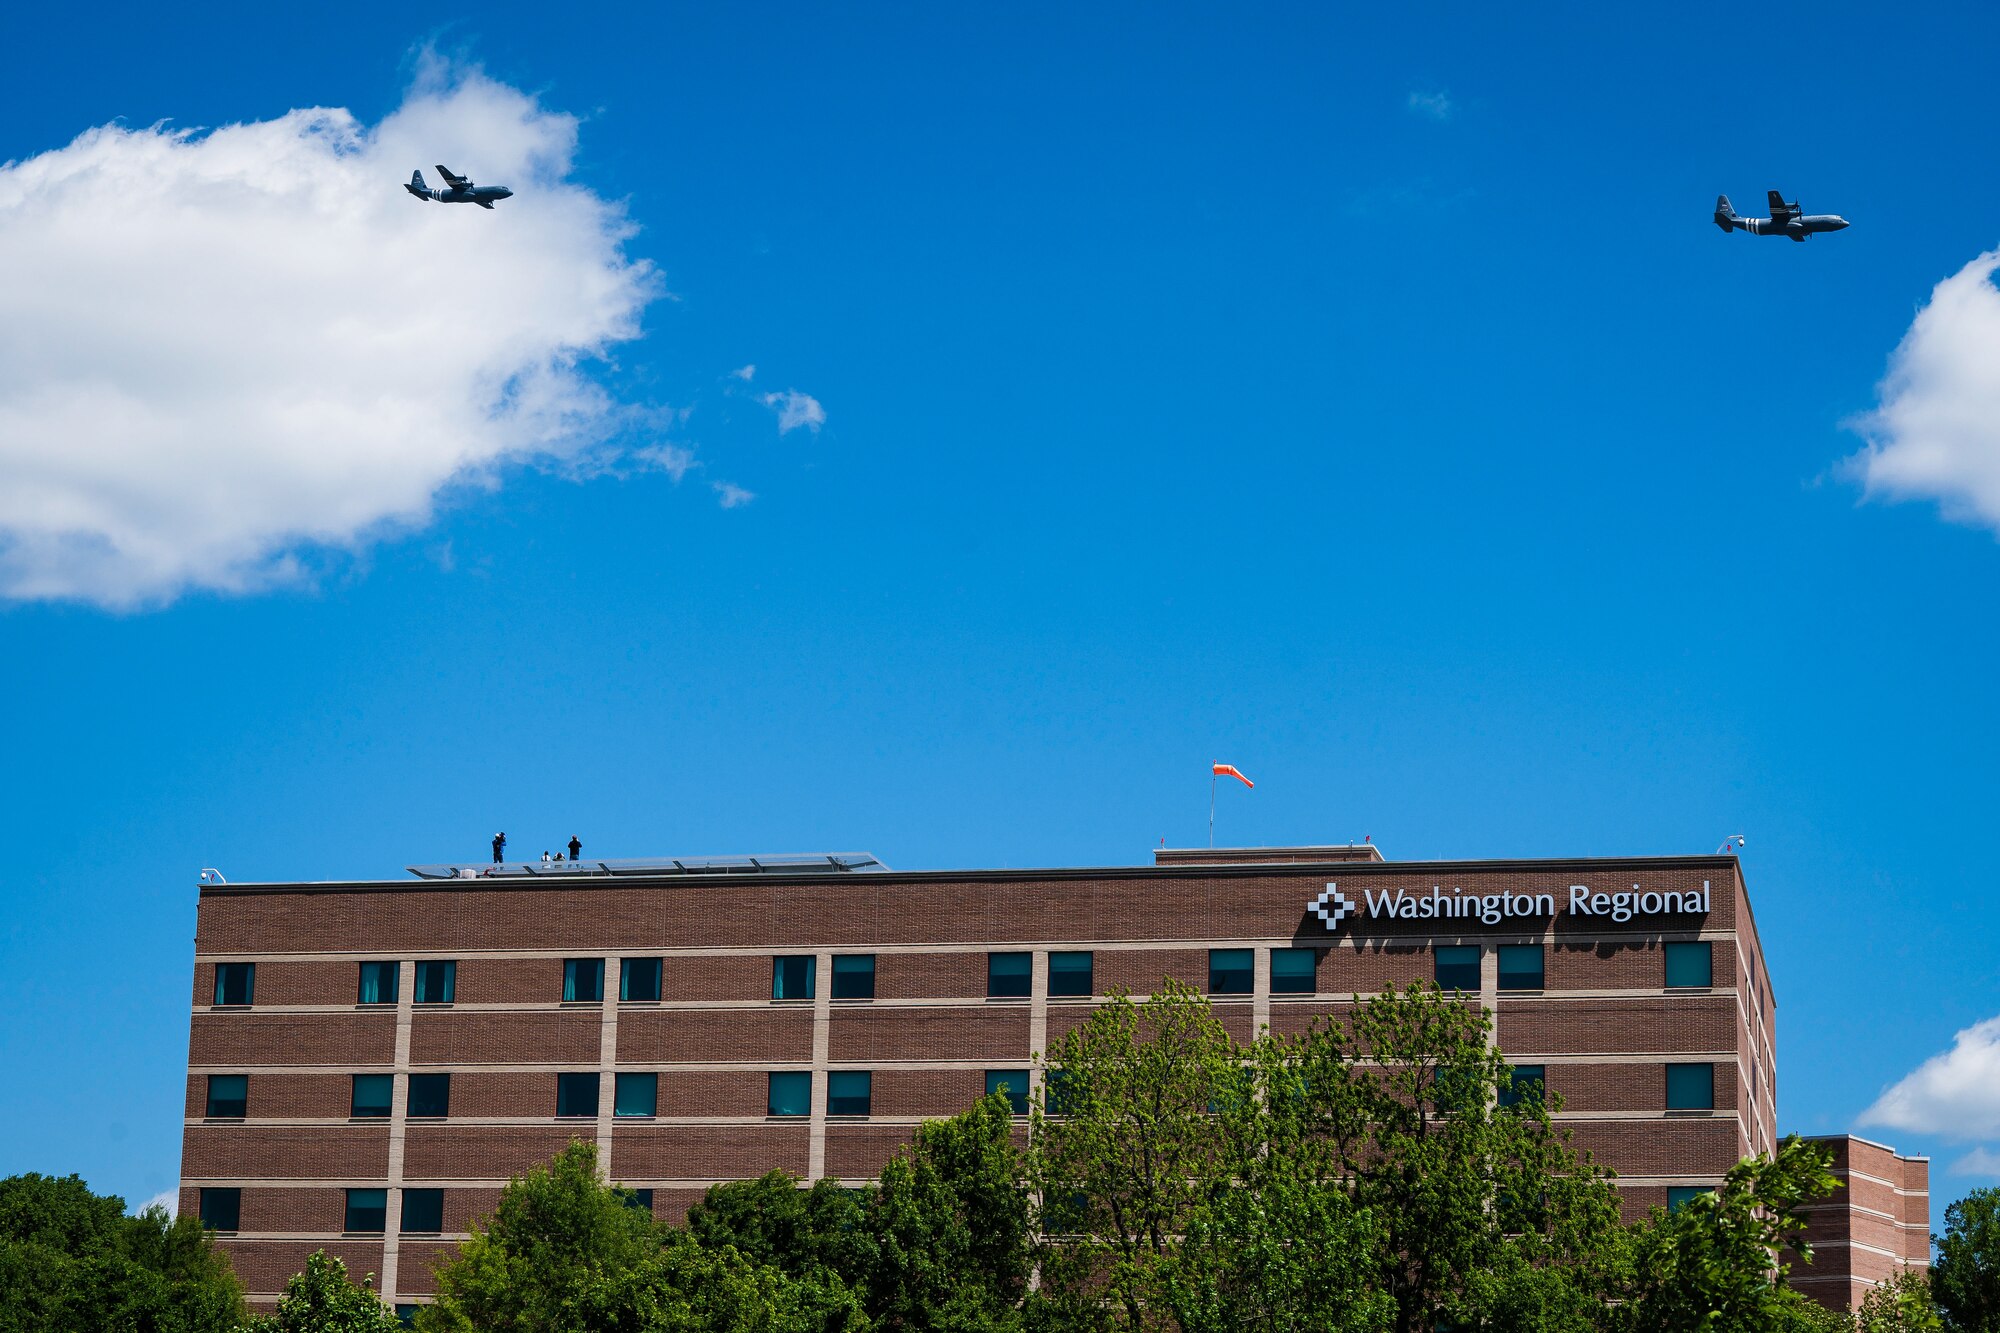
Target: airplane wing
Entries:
(458, 182)
(1780, 210)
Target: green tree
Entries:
(687, 1287)
(1965, 1280)
(1709, 1266)
(804, 1232)
(323, 1300)
(1903, 1304)
(950, 1227)
(71, 1261)
(553, 1256)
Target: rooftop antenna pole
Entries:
(1211, 809)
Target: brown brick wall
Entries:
(233, 1039)
(862, 1150)
(1691, 1147)
(679, 1036)
(462, 1037)
(1293, 1017)
(962, 1033)
(929, 1092)
(707, 1152)
(1580, 965)
(264, 1266)
(285, 1152)
(1142, 972)
(930, 976)
(720, 977)
(716, 1092)
(511, 981)
(1610, 1026)
(282, 1096)
(1626, 1087)
(441, 1152)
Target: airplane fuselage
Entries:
(1799, 226)
(478, 194)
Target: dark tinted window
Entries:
(1458, 967)
(848, 1092)
(1526, 1081)
(430, 1096)
(1057, 1095)
(1678, 1196)
(372, 1093)
(792, 976)
(636, 1094)
(228, 1094)
(854, 976)
(790, 1093)
(640, 1199)
(1294, 971)
(639, 979)
(378, 983)
(1010, 976)
(367, 1210)
(1070, 973)
(406, 1314)
(1520, 967)
(436, 982)
(1690, 1087)
(235, 983)
(1232, 971)
(1690, 963)
(423, 1210)
(576, 1094)
(583, 979)
(1011, 1083)
(221, 1209)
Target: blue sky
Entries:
(1363, 399)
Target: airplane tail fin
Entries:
(416, 185)
(1725, 216)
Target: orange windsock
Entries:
(1229, 771)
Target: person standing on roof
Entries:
(499, 841)
(575, 847)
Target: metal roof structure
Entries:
(655, 866)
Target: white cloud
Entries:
(1978, 1162)
(167, 1199)
(1955, 1093)
(744, 373)
(730, 496)
(1436, 105)
(1935, 433)
(221, 351)
(795, 409)
(671, 459)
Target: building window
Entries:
(406, 1314)
(367, 1210)
(1520, 967)
(636, 1094)
(576, 1095)
(790, 1093)
(583, 980)
(639, 979)
(792, 976)
(228, 1094)
(1010, 976)
(854, 976)
(1690, 963)
(1690, 1087)
(378, 983)
(1232, 971)
(1458, 967)
(235, 983)
(436, 982)
(1523, 1082)
(430, 1096)
(1679, 1196)
(1057, 1095)
(1070, 974)
(1294, 971)
(1011, 1084)
(371, 1096)
(423, 1210)
(849, 1091)
(639, 1199)
(221, 1209)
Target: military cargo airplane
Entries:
(459, 190)
(1785, 219)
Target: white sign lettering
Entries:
(1332, 907)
